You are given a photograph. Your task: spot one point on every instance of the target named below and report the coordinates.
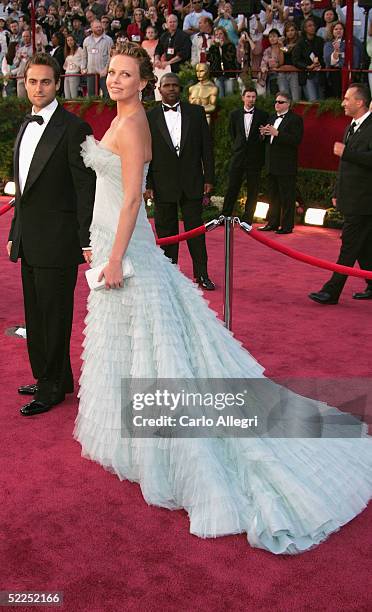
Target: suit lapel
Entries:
(185, 125)
(254, 123)
(285, 120)
(163, 128)
(241, 122)
(359, 132)
(16, 154)
(47, 144)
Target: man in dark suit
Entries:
(283, 137)
(353, 195)
(50, 227)
(181, 171)
(248, 154)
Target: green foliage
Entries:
(315, 186)
(12, 111)
(333, 218)
(330, 105)
(187, 77)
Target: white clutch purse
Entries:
(93, 273)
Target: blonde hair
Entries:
(131, 49)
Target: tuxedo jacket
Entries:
(171, 175)
(353, 186)
(282, 154)
(53, 214)
(247, 152)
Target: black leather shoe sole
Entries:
(32, 389)
(366, 295)
(322, 298)
(37, 407)
(267, 228)
(206, 283)
(27, 390)
(283, 231)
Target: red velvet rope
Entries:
(5, 208)
(184, 236)
(309, 259)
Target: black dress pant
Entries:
(49, 300)
(237, 174)
(282, 191)
(166, 224)
(356, 246)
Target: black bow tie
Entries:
(168, 108)
(279, 117)
(250, 112)
(31, 118)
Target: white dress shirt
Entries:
(358, 122)
(248, 118)
(192, 19)
(277, 123)
(30, 140)
(173, 120)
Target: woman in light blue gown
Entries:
(286, 494)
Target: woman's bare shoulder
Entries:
(133, 130)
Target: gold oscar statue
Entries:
(205, 91)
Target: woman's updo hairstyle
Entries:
(131, 49)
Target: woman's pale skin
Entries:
(71, 43)
(129, 138)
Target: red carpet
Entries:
(68, 525)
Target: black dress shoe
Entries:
(322, 297)
(268, 228)
(364, 295)
(284, 231)
(205, 283)
(28, 390)
(37, 407)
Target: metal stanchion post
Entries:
(228, 286)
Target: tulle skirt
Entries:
(287, 495)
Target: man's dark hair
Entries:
(170, 75)
(283, 94)
(43, 59)
(362, 93)
(250, 89)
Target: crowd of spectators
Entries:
(297, 47)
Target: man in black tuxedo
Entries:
(353, 195)
(181, 171)
(283, 137)
(248, 154)
(50, 227)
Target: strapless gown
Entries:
(287, 495)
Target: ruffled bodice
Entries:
(109, 191)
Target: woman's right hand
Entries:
(113, 275)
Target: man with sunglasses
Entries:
(191, 22)
(283, 136)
